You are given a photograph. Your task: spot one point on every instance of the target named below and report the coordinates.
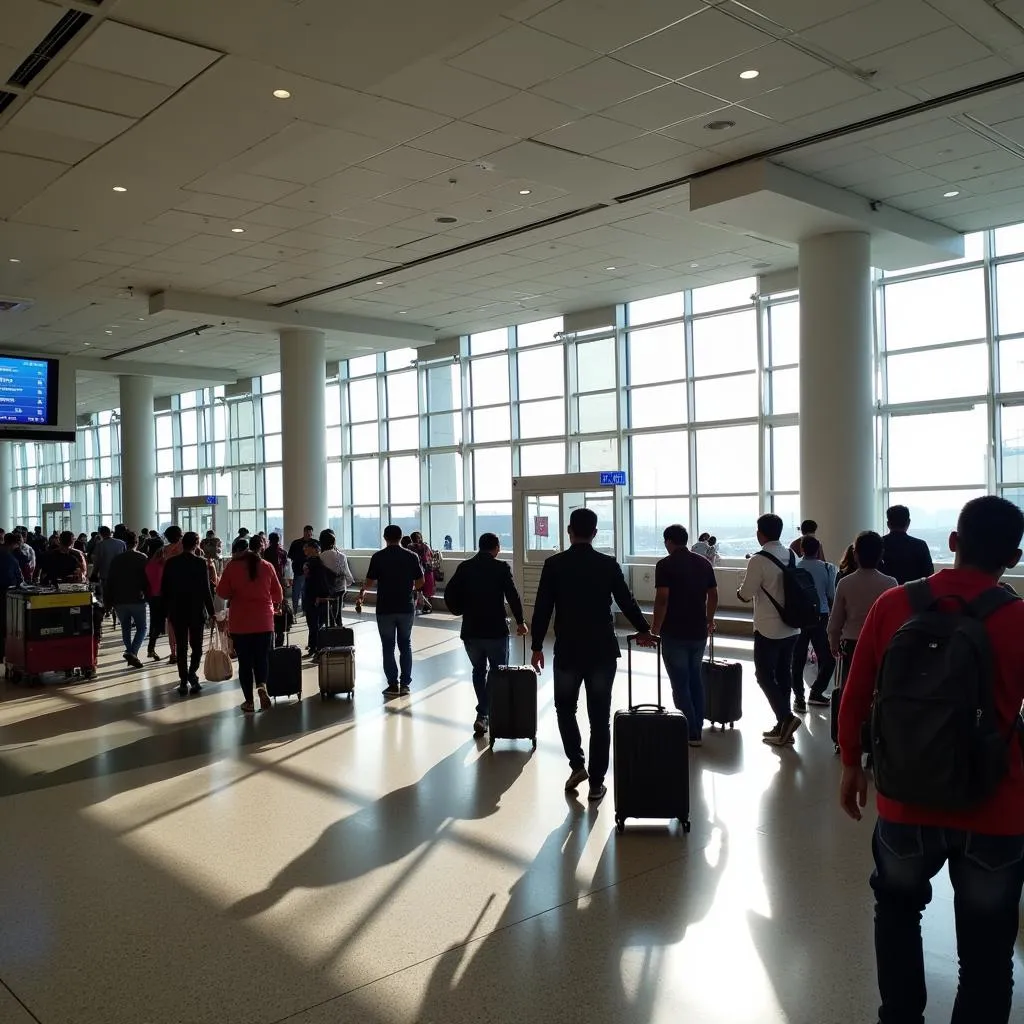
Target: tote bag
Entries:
(217, 667)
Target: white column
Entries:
(138, 453)
(6, 483)
(304, 435)
(837, 445)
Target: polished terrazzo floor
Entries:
(169, 861)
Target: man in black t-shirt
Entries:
(397, 575)
(685, 602)
(297, 556)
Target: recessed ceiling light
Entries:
(142, 318)
(282, 94)
(447, 220)
(110, 332)
(378, 282)
(181, 350)
(120, 188)
(609, 268)
(13, 260)
(402, 312)
(719, 126)
(87, 343)
(694, 266)
(237, 231)
(749, 74)
(525, 191)
(951, 193)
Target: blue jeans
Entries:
(396, 626)
(132, 615)
(682, 662)
(298, 586)
(987, 873)
(483, 653)
(598, 680)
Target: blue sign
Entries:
(24, 390)
(67, 506)
(211, 499)
(613, 478)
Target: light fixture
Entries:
(120, 188)
(237, 231)
(609, 268)
(719, 126)
(109, 332)
(447, 220)
(747, 75)
(402, 312)
(525, 191)
(13, 260)
(951, 194)
(141, 318)
(378, 282)
(282, 94)
(87, 343)
(694, 266)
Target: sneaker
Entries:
(819, 700)
(391, 691)
(772, 732)
(597, 793)
(155, 657)
(785, 735)
(195, 687)
(800, 706)
(133, 660)
(404, 689)
(480, 726)
(578, 777)
(183, 688)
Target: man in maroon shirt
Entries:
(984, 846)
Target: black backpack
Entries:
(935, 739)
(801, 606)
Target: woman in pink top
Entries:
(157, 619)
(252, 590)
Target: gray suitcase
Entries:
(337, 670)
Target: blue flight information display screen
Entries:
(24, 391)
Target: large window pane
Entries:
(541, 459)
(784, 458)
(942, 373)
(659, 464)
(539, 332)
(732, 521)
(1010, 240)
(444, 477)
(727, 461)
(595, 365)
(403, 434)
(650, 516)
(933, 515)
(492, 474)
(934, 310)
(362, 400)
(723, 344)
(364, 439)
(784, 333)
(542, 419)
(446, 429)
(599, 454)
(489, 341)
(399, 358)
(724, 296)
(490, 380)
(1010, 298)
(541, 373)
(274, 485)
(332, 405)
(365, 482)
(656, 355)
(271, 413)
(657, 406)
(938, 449)
(1011, 446)
(444, 388)
(446, 521)
(650, 311)
(360, 366)
(1011, 365)
(366, 527)
(491, 424)
(785, 391)
(164, 436)
(598, 413)
(495, 517)
(402, 394)
(404, 480)
(725, 398)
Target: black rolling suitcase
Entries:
(651, 758)
(723, 689)
(285, 676)
(512, 702)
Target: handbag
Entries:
(217, 667)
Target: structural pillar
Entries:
(6, 485)
(138, 453)
(837, 447)
(304, 436)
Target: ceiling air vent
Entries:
(53, 42)
(9, 305)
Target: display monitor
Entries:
(28, 392)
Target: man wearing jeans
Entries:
(773, 639)
(685, 602)
(477, 591)
(397, 575)
(125, 591)
(982, 844)
(577, 586)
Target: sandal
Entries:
(265, 702)
(248, 707)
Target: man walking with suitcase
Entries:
(478, 591)
(577, 586)
(685, 602)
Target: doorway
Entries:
(200, 513)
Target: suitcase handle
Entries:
(629, 675)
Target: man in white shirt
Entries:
(773, 639)
(336, 562)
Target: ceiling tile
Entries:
(387, 120)
(590, 134)
(860, 171)
(215, 206)
(899, 184)
(410, 163)
(421, 196)
(801, 14)
(777, 64)
(243, 186)
(647, 150)
(986, 70)
(23, 178)
(932, 54)
(695, 133)
(805, 97)
(74, 122)
(139, 54)
(437, 86)
(462, 141)
(29, 142)
(691, 45)
(605, 25)
(282, 217)
(357, 183)
(978, 166)
(853, 111)
(859, 32)
(522, 57)
(664, 106)
(599, 84)
(524, 115)
(131, 245)
(104, 90)
(306, 153)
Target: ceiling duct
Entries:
(52, 43)
(8, 304)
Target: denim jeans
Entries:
(598, 680)
(987, 873)
(132, 615)
(773, 668)
(484, 653)
(396, 626)
(818, 639)
(253, 650)
(298, 586)
(682, 662)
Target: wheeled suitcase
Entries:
(337, 671)
(651, 758)
(512, 702)
(285, 676)
(836, 697)
(336, 636)
(723, 689)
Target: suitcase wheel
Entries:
(620, 825)
(685, 822)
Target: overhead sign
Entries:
(67, 506)
(211, 499)
(613, 478)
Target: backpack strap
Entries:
(919, 593)
(991, 601)
(772, 558)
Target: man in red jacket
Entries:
(983, 845)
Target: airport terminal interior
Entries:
(463, 267)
